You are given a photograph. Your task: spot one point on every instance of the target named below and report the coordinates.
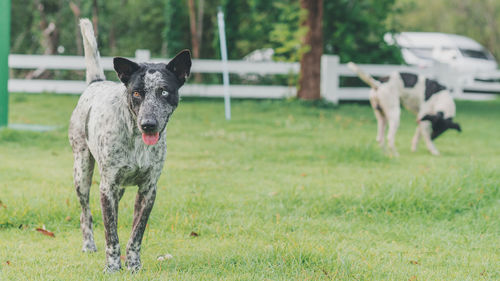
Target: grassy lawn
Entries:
(284, 191)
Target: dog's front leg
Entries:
(143, 204)
(109, 205)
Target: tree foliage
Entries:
(287, 33)
(355, 29)
(352, 29)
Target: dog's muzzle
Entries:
(150, 134)
(149, 126)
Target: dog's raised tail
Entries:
(92, 58)
(364, 76)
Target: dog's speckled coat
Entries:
(107, 125)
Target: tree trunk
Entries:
(112, 37)
(95, 17)
(192, 25)
(49, 40)
(196, 27)
(310, 62)
(199, 24)
(78, 37)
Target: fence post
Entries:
(4, 61)
(330, 78)
(225, 72)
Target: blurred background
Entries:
(461, 35)
(354, 30)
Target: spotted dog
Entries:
(122, 127)
(430, 101)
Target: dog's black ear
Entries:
(455, 126)
(452, 125)
(180, 65)
(428, 118)
(124, 68)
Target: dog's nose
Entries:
(149, 125)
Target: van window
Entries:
(476, 54)
(423, 53)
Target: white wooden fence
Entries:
(331, 71)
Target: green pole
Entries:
(4, 60)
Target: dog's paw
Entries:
(380, 142)
(112, 268)
(133, 263)
(89, 247)
(134, 268)
(435, 152)
(393, 154)
(113, 262)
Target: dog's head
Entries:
(152, 91)
(440, 124)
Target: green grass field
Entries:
(285, 191)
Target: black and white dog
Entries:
(122, 126)
(426, 98)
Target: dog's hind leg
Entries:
(379, 115)
(381, 125)
(416, 139)
(83, 171)
(393, 128)
(425, 128)
(143, 204)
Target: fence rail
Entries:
(331, 71)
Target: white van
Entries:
(424, 49)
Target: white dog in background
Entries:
(426, 98)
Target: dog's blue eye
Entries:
(164, 93)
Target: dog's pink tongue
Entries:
(150, 139)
